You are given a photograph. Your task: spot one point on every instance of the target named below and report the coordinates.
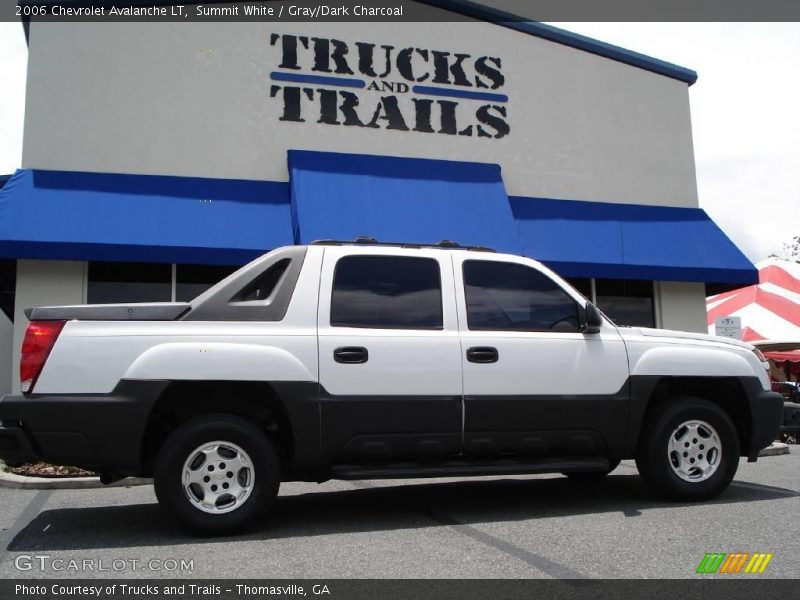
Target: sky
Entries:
(745, 111)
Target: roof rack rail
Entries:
(371, 241)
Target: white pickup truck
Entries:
(361, 360)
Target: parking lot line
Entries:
(28, 514)
(545, 565)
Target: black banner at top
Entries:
(397, 11)
(378, 589)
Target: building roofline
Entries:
(567, 38)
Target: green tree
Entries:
(791, 249)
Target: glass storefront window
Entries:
(583, 285)
(193, 280)
(8, 285)
(627, 301)
(116, 282)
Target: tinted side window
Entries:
(263, 286)
(387, 292)
(507, 296)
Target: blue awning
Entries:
(629, 241)
(96, 216)
(343, 196)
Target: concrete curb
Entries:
(21, 482)
(775, 449)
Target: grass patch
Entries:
(42, 469)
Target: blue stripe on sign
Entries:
(321, 79)
(436, 91)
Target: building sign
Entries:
(728, 327)
(380, 86)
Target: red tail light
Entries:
(40, 336)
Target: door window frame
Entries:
(331, 257)
(461, 298)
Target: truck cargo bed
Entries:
(146, 311)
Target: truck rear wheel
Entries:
(688, 450)
(216, 474)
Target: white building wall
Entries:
(43, 283)
(193, 99)
(682, 306)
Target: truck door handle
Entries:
(351, 355)
(482, 354)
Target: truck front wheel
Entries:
(216, 474)
(689, 450)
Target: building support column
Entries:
(43, 283)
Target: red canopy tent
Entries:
(770, 312)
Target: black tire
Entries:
(592, 475)
(652, 456)
(184, 441)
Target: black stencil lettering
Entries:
(291, 101)
(441, 73)
(390, 108)
(323, 56)
(448, 117)
(289, 49)
(348, 109)
(422, 112)
(327, 106)
(405, 64)
(366, 59)
(484, 69)
(498, 123)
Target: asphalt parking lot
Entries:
(501, 527)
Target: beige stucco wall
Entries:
(682, 306)
(193, 99)
(43, 283)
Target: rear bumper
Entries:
(791, 418)
(102, 432)
(15, 445)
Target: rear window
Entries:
(387, 292)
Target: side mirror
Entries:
(593, 319)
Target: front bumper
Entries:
(766, 415)
(102, 432)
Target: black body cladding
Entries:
(408, 436)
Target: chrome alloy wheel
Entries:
(694, 451)
(218, 477)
